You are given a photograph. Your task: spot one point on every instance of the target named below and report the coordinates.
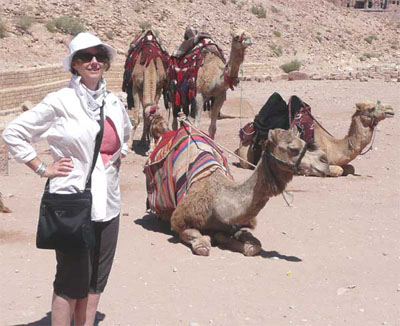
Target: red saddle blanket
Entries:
(180, 159)
(150, 48)
(182, 73)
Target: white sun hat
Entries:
(83, 41)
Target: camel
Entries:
(215, 78)
(217, 208)
(146, 65)
(158, 127)
(340, 151)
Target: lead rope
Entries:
(183, 120)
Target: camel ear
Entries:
(363, 105)
(272, 135)
(360, 106)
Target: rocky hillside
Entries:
(323, 36)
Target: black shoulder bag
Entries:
(65, 219)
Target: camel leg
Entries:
(198, 109)
(201, 244)
(348, 169)
(246, 153)
(216, 107)
(174, 123)
(243, 241)
(135, 115)
(335, 171)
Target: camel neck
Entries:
(236, 58)
(359, 136)
(267, 180)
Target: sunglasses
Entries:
(87, 57)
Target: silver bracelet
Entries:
(41, 169)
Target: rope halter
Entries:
(292, 166)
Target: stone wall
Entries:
(32, 84)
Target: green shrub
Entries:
(25, 22)
(319, 38)
(3, 29)
(370, 38)
(274, 10)
(291, 66)
(259, 10)
(277, 33)
(66, 24)
(143, 25)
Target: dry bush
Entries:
(370, 38)
(259, 10)
(65, 24)
(25, 22)
(291, 66)
(276, 50)
(143, 25)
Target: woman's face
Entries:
(90, 64)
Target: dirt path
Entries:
(331, 259)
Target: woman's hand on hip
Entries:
(60, 168)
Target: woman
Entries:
(67, 119)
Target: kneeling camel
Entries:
(339, 152)
(220, 209)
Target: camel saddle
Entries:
(184, 67)
(276, 113)
(149, 46)
(180, 158)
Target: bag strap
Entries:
(99, 138)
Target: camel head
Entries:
(150, 110)
(158, 126)
(241, 39)
(294, 155)
(371, 113)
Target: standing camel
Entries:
(215, 77)
(145, 75)
(339, 151)
(214, 206)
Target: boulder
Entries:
(297, 75)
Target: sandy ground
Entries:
(331, 259)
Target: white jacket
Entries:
(64, 120)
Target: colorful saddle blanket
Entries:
(180, 159)
(183, 69)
